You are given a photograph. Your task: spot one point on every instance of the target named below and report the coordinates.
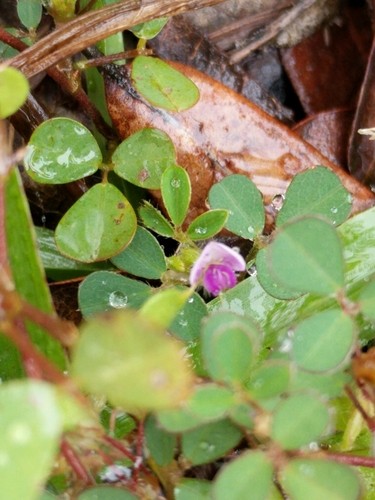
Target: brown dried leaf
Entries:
(224, 134)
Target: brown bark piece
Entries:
(361, 158)
(328, 132)
(326, 68)
(223, 134)
(197, 51)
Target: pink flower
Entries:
(216, 268)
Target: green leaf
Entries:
(178, 420)
(192, 489)
(176, 193)
(162, 85)
(211, 402)
(137, 367)
(117, 424)
(28, 275)
(251, 472)
(154, 220)
(162, 308)
(61, 150)
(367, 300)
(187, 324)
(324, 341)
(161, 444)
(315, 479)
(317, 191)
(31, 424)
(209, 442)
(29, 13)
(276, 317)
(270, 380)
(229, 346)
(268, 282)
(240, 196)
(57, 266)
(107, 493)
(306, 255)
(207, 224)
(98, 226)
(243, 415)
(292, 423)
(143, 257)
(142, 158)
(150, 29)
(104, 291)
(14, 89)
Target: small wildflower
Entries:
(216, 268)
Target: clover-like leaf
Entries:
(306, 255)
(207, 224)
(176, 193)
(324, 341)
(137, 367)
(98, 226)
(14, 89)
(143, 257)
(162, 85)
(240, 196)
(142, 158)
(317, 191)
(61, 150)
(304, 479)
(150, 29)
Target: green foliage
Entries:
(106, 493)
(207, 224)
(136, 366)
(306, 255)
(28, 275)
(251, 472)
(105, 291)
(316, 479)
(29, 13)
(32, 421)
(324, 341)
(162, 85)
(292, 425)
(98, 226)
(61, 150)
(142, 158)
(318, 191)
(260, 364)
(176, 193)
(150, 29)
(143, 257)
(229, 346)
(240, 196)
(14, 89)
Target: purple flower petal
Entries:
(219, 277)
(215, 257)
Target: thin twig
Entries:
(272, 30)
(88, 29)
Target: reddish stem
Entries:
(73, 460)
(66, 84)
(116, 444)
(369, 421)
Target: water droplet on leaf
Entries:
(118, 300)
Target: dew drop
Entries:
(250, 230)
(183, 322)
(191, 300)
(277, 202)
(117, 299)
(252, 271)
(286, 345)
(175, 183)
(334, 210)
(200, 230)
